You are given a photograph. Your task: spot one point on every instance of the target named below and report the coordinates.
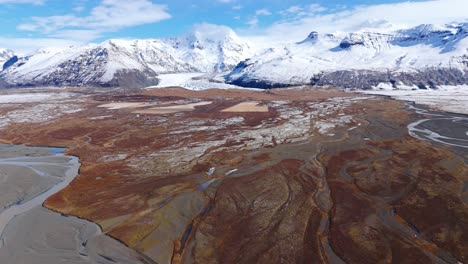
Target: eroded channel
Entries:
(444, 128)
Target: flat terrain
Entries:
(30, 233)
(316, 176)
(246, 107)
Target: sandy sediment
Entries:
(171, 109)
(247, 107)
(30, 233)
(121, 105)
(43, 236)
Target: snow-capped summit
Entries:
(312, 37)
(130, 63)
(211, 48)
(424, 56)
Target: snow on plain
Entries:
(37, 107)
(447, 98)
(31, 97)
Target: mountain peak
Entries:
(208, 48)
(427, 54)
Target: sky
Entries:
(26, 25)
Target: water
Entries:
(205, 185)
(448, 129)
(57, 150)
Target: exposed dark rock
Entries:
(254, 83)
(366, 79)
(132, 79)
(10, 62)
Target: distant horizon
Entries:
(28, 25)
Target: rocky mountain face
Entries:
(128, 63)
(422, 57)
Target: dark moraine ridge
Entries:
(363, 79)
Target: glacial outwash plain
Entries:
(296, 175)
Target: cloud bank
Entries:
(292, 24)
(301, 21)
(108, 16)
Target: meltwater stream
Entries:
(445, 128)
(29, 233)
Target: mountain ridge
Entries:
(425, 56)
(129, 63)
(422, 57)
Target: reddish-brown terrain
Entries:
(321, 177)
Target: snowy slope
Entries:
(210, 48)
(425, 56)
(130, 63)
(5, 54)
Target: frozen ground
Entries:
(36, 107)
(185, 80)
(447, 98)
(19, 98)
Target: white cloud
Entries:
(316, 8)
(108, 16)
(263, 12)
(301, 20)
(78, 8)
(26, 45)
(293, 9)
(34, 2)
(253, 22)
(297, 11)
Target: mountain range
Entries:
(128, 63)
(423, 57)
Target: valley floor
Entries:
(241, 176)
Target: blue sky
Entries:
(28, 24)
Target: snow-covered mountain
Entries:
(423, 57)
(5, 54)
(129, 63)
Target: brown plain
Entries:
(247, 107)
(295, 94)
(359, 201)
